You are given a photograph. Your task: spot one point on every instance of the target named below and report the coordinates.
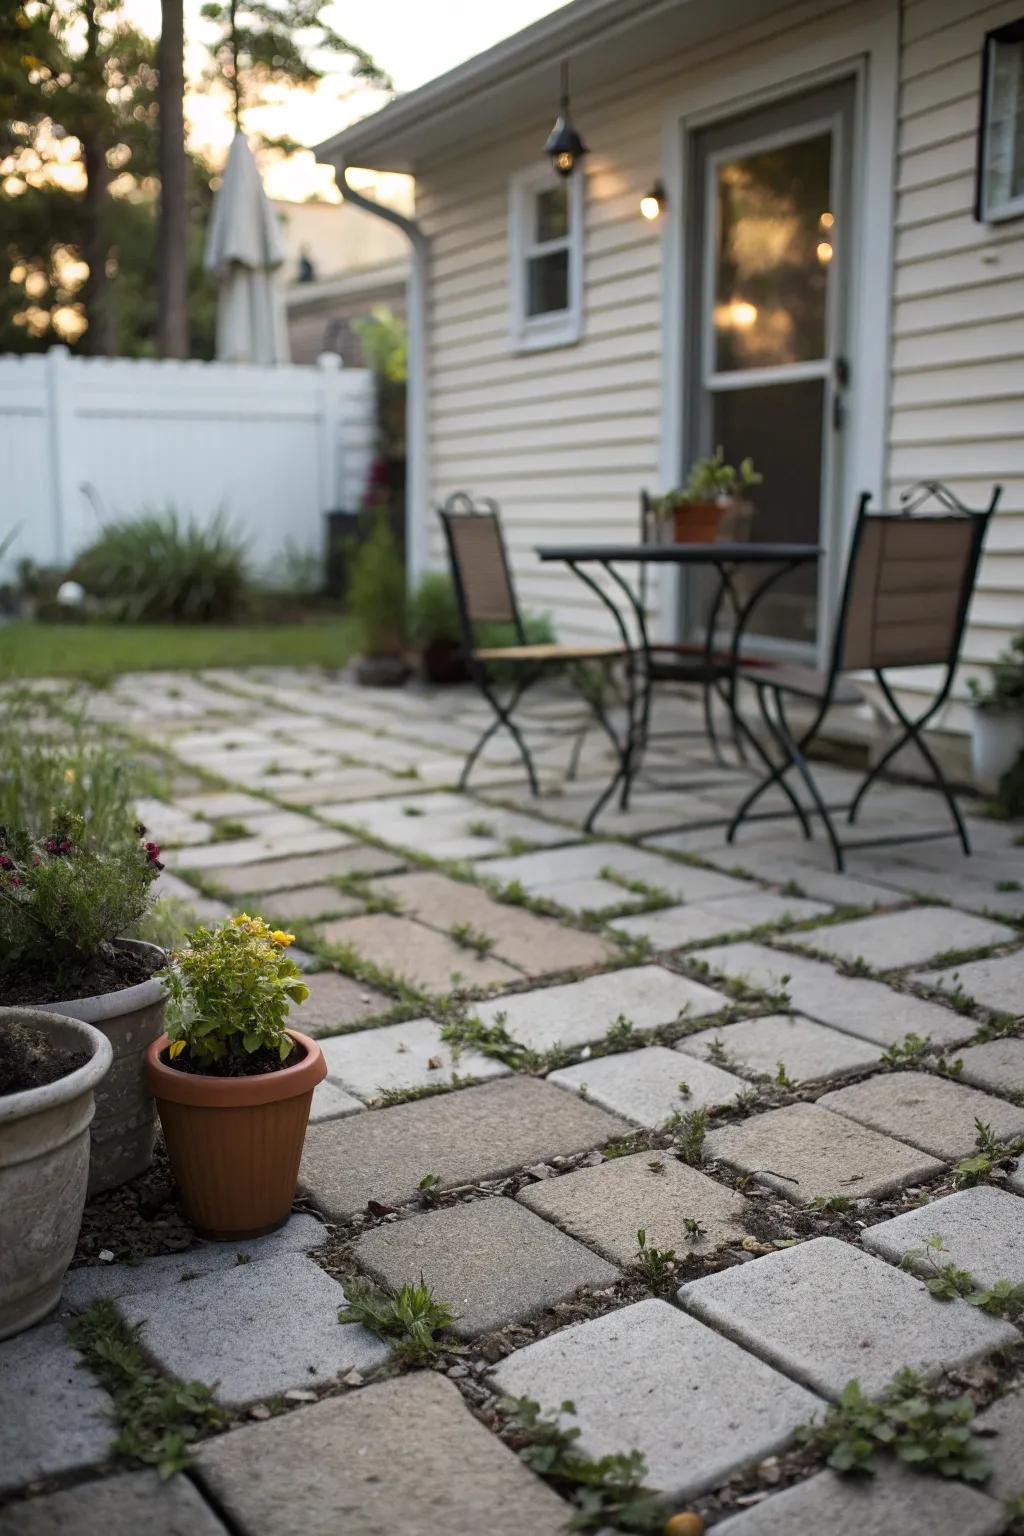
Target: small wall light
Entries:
(564, 146)
(652, 204)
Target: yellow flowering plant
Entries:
(228, 994)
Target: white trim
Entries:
(869, 52)
(1010, 207)
(558, 328)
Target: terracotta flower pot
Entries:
(235, 1142)
(696, 522)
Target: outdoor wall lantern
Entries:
(564, 146)
(1000, 175)
(652, 204)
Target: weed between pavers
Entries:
(992, 1156)
(947, 1283)
(467, 936)
(158, 1419)
(408, 1317)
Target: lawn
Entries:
(99, 651)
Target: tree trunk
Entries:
(100, 338)
(172, 228)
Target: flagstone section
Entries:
(417, 955)
(309, 901)
(281, 874)
(335, 1001)
(995, 984)
(605, 1206)
(536, 945)
(83, 1286)
(216, 804)
(700, 923)
(862, 1007)
(401, 1056)
(782, 1308)
(444, 824)
(997, 1065)
(254, 850)
(1003, 1451)
(982, 1231)
(757, 1048)
(253, 1331)
(56, 1418)
(580, 1012)
(896, 1499)
(404, 1456)
(572, 876)
(116, 1506)
(650, 1378)
(331, 1102)
(647, 1086)
(893, 940)
(929, 1112)
(804, 1151)
(462, 1137)
(458, 1252)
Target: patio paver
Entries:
(403, 1456)
(470, 1134)
(418, 955)
(698, 1410)
(1006, 1418)
(928, 1111)
(284, 874)
(604, 1206)
(982, 1231)
(997, 984)
(331, 1102)
(62, 1422)
(401, 1056)
(645, 1085)
(895, 1499)
(572, 876)
(255, 850)
(455, 1251)
(805, 1151)
(757, 1048)
(308, 902)
(701, 923)
(116, 1506)
(334, 1001)
(894, 940)
(779, 1307)
(997, 1065)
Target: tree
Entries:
(172, 226)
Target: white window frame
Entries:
(991, 211)
(557, 328)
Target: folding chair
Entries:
(485, 594)
(909, 580)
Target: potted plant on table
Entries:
(66, 899)
(714, 491)
(232, 1084)
(997, 726)
(434, 628)
(50, 1068)
(376, 603)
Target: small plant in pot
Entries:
(997, 727)
(50, 1069)
(232, 1083)
(66, 899)
(434, 628)
(376, 603)
(715, 492)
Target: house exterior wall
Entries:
(564, 439)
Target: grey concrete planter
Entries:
(44, 1170)
(125, 1123)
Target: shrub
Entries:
(433, 613)
(229, 993)
(65, 899)
(538, 628)
(376, 599)
(158, 569)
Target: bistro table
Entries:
(627, 609)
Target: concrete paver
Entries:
(649, 1086)
(927, 1111)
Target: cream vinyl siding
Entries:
(957, 385)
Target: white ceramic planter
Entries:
(44, 1170)
(125, 1125)
(997, 739)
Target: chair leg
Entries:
(800, 763)
(913, 732)
(776, 773)
(503, 717)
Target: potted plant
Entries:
(997, 725)
(66, 899)
(434, 629)
(50, 1068)
(713, 491)
(376, 603)
(233, 1085)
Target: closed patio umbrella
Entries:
(243, 248)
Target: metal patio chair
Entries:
(909, 580)
(485, 594)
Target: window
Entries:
(1000, 192)
(545, 254)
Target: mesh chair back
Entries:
(908, 585)
(480, 568)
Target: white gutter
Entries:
(417, 486)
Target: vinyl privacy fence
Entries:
(82, 439)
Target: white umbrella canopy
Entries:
(243, 248)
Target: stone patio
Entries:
(539, 1045)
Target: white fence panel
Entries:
(273, 448)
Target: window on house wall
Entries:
(1001, 140)
(545, 254)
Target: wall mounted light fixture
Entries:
(564, 146)
(652, 204)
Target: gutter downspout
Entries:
(417, 489)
